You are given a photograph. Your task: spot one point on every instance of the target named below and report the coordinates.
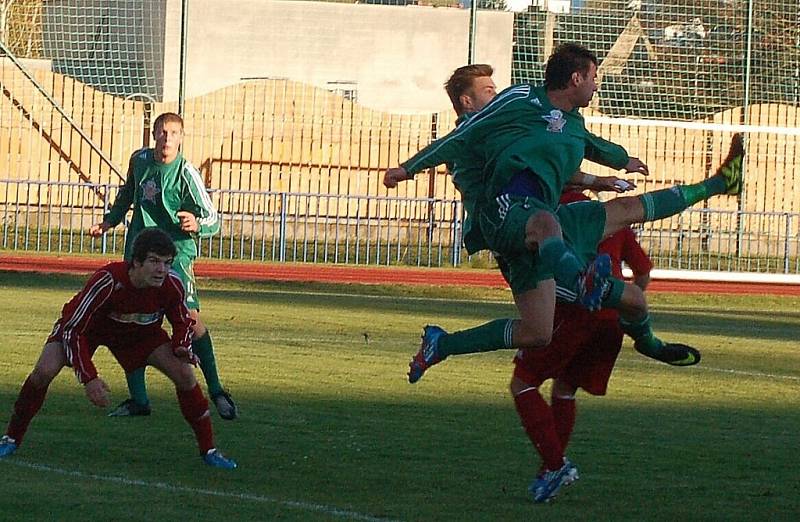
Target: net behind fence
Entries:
(83, 80)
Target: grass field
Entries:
(331, 430)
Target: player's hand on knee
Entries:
(98, 392)
(185, 354)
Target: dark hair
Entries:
(152, 240)
(568, 58)
(167, 117)
(461, 81)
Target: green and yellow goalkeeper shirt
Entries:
(157, 192)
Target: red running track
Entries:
(365, 274)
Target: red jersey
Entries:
(109, 310)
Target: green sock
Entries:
(137, 387)
(664, 203)
(615, 294)
(705, 189)
(204, 350)
(557, 257)
(488, 337)
(644, 340)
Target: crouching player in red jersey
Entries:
(581, 355)
(122, 306)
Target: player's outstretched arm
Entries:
(122, 203)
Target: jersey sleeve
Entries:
(198, 202)
(604, 152)
(447, 149)
(177, 313)
(75, 321)
(634, 255)
(124, 199)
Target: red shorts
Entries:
(583, 352)
(131, 352)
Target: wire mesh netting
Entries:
(320, 97)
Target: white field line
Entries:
(303, 506)
(641, 361)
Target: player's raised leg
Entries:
(651, 206)
(635, 322)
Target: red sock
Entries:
(564, 417)
(537, 419)
(28, 404)
(194, 407)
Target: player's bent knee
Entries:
(184, 378)
(540, 226)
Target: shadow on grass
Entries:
(414, 457)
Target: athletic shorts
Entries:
(504, 222)
(583, 352)
(182, 265)
(131, 352)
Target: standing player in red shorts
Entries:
(122, 306)
(582, 355)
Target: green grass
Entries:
(329, 422)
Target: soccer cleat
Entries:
(731, 168)
(7, 446)
(572, 474)
(225, 406)
(216, 459)
(678, 354)
(547, 484)
(130, 408)
(428, 353)
(593, 283)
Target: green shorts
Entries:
(503, 223)
(182, 265)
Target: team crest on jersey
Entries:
(536, 102)
(150, 190)
(555, 121)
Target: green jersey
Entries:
(518, 131)
(467, 172)
(157, 192)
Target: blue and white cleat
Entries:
(7, 446)
(427, 355)
(549, 483)
(216, 459)
(593, 283)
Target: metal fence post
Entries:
(786, 242)
(282, 228)
(104, 237)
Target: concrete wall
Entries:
(396, 57)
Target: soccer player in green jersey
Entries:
(531, 142)
(167, 192)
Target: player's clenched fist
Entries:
(393, 176)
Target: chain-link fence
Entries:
(318, 98)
